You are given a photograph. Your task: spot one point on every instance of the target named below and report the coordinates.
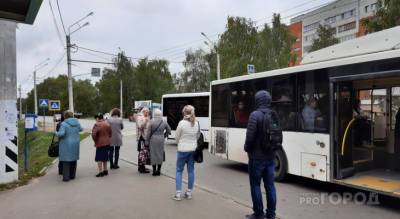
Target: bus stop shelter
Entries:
(12, 12)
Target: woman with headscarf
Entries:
(155, 138)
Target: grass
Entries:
(39, 142)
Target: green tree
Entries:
(57, 89)
(325, 37)
(109, 85)
(196, 76)
(152, 79)
(274, 46)
(387, 16)
(85, 96)
(236, 46)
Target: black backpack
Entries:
(273, 131)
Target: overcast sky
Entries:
(162, 28)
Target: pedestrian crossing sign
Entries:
(54, 105)
(43, 103)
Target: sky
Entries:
(140, 28)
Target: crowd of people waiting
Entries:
(151, 134)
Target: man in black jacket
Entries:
(261, 160)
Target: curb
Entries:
(203, 188)
(44, 169)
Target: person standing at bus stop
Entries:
(117, 125)
(261, 160)
(142, 127)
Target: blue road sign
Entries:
(54, 105)
(43, 103)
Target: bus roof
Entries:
(198, 94)
(378, 46)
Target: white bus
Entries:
(172, 105)
(332, 147)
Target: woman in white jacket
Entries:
(187, 132)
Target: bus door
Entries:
(342, 116)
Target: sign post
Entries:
(44, 103)
(251, 69)
(30, 125)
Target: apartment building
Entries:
(344, 15)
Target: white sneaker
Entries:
(177, 197)
(188, 195)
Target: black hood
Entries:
(263, 99)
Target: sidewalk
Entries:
(123, 194)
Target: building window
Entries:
(311, 27)
(348, 14)
(366, 8)
(374, 6)
(347, 37)
(346, 27)
(330, 20)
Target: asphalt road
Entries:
(230, 179)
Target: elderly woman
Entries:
(117, 125)
(158, 130)
(101, 134)
(69, 138)
(142, 127)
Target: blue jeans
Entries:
(262, 169)
(183, 158)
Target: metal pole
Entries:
(20, 103)
(218, 67)
(121, 99)
(35, 93)
(70, 88)
(44, 120)
(26, 153)
(121, 90)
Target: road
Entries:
(230, 180)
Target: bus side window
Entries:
(313, 107)
(284, 100)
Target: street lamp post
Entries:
(210, 43)
(68, 41)
(37, 67)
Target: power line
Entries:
(58, 62)
(62, 21)
(56, 25)
(92, 54)
(111, 54)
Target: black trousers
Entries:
(69, 170)
(114, 150)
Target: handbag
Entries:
(198, 153)
(53, 150)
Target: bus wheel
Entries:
(280, 165)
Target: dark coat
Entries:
(255, 132)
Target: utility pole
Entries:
(20, 102)
(218, 66)
(119, 58)
(68, 41)
(35, 92)
(37, 67)
(70, 88)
